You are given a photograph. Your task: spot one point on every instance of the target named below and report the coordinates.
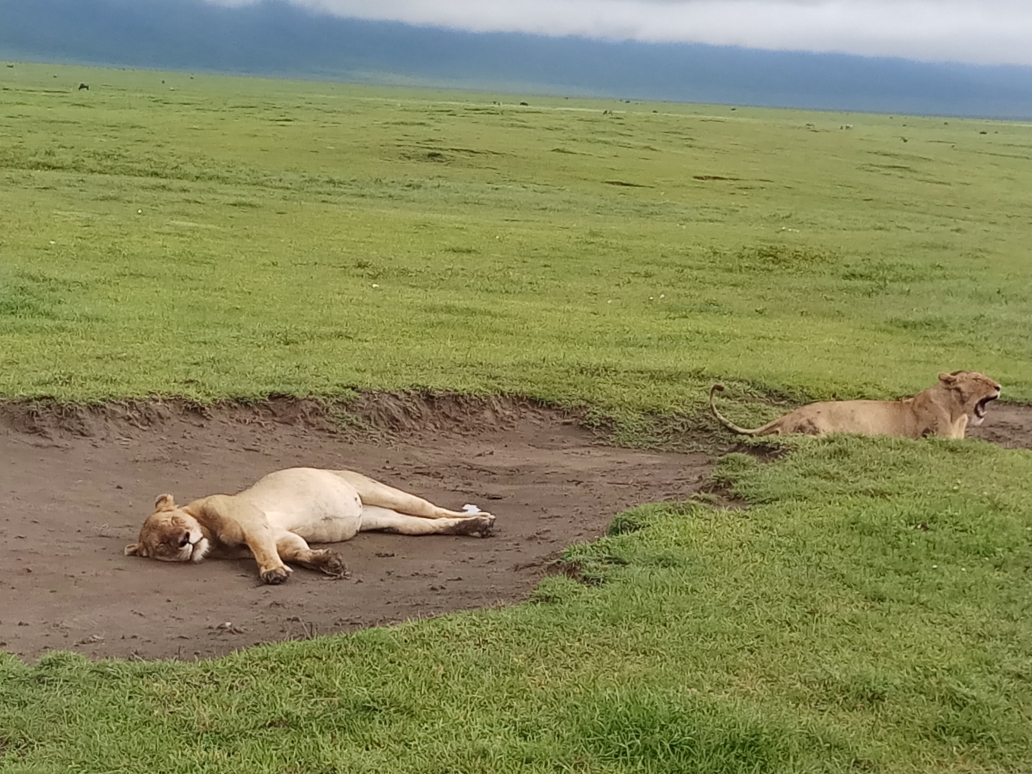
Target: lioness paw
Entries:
(479, 525)
(333, 565)
(275, 576)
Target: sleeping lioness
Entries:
(942, 410)
(274, 519)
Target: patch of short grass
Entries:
(868, 612)
(209, 237)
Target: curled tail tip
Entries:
(716, 388)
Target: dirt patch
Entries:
(77, 482)
(1006, 424)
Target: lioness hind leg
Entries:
(294, 548)
(375, 518)
(378, 494)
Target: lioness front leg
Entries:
(960, 427)
(295, 548)
(270, 567)
(946, 429)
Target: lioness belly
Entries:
(329, 529)
(316, 504)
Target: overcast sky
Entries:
(974, 31)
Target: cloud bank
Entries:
(970, 31)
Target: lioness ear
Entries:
(164, 502)
(947, 378)
(135, 549)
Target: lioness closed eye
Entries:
(942, 410)
(274, 519)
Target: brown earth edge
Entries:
(78, 480)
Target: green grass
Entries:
(208, 237)
(869, 612)
(215, 237)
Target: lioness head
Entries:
(974, 392)
(170, 534)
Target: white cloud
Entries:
(976, 31)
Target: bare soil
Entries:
(77, 482)
(1007, 424)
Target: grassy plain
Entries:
(215, 237)
(205, 236)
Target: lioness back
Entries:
(862, 417)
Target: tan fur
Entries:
(275, 518)
(943, 410)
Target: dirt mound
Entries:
(419, 412)
(79, 480)
(375, 414)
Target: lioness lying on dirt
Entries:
(274, 519)
(942, 410)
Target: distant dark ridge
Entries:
(276, 38)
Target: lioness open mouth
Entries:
(981, 406)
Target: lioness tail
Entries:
(766, 429)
